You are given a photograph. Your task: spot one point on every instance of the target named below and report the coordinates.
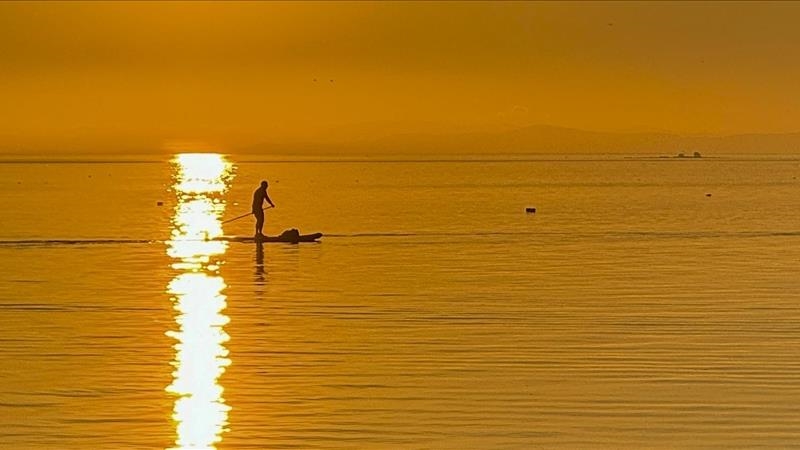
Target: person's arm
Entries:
(266, 197)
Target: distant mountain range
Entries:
(363, 141)
(544, 140)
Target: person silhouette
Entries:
(259, 197)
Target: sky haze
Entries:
(157, 76)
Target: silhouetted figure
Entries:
(259, 197)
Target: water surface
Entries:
(647, 303)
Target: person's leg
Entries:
(259, 222)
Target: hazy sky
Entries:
(231, 74)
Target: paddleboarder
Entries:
(259, 197)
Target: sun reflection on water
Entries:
(200, 412)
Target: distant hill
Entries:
(359, 141)
(544, 140)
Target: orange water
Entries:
(631, 311)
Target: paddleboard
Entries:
(272, 239)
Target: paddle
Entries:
(245, 215)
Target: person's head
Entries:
(264, 184)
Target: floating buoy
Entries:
(530, 210)
(160, 203)
(708, 195)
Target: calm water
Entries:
(631, 311)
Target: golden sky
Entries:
(155, 74)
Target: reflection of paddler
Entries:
(259, 197)
(259, 262)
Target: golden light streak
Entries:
(200, 412)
